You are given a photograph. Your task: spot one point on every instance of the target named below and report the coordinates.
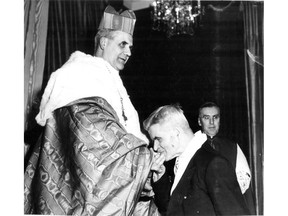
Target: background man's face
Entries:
(209, 120)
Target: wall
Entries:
(191, 70)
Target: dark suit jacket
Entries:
(208, 187)
(228, 149)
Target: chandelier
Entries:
(176, 17)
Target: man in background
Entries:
(209, 121)
(92, 158)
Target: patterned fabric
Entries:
(113, 20)
(35, 35)
(93, 76)
(87, 164)
(242, 170)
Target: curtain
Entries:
(35, 32)
(72, 26)
(51, 37)
(253, 36)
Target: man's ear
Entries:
(176, 131)
(103, 42)
(199, 122)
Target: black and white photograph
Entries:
(148, 108)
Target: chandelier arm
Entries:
(219, 9)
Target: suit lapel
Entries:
(184, 181)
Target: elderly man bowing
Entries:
(205, 182)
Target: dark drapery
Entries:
(35, 33)
(253, 35)
(70, 25)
